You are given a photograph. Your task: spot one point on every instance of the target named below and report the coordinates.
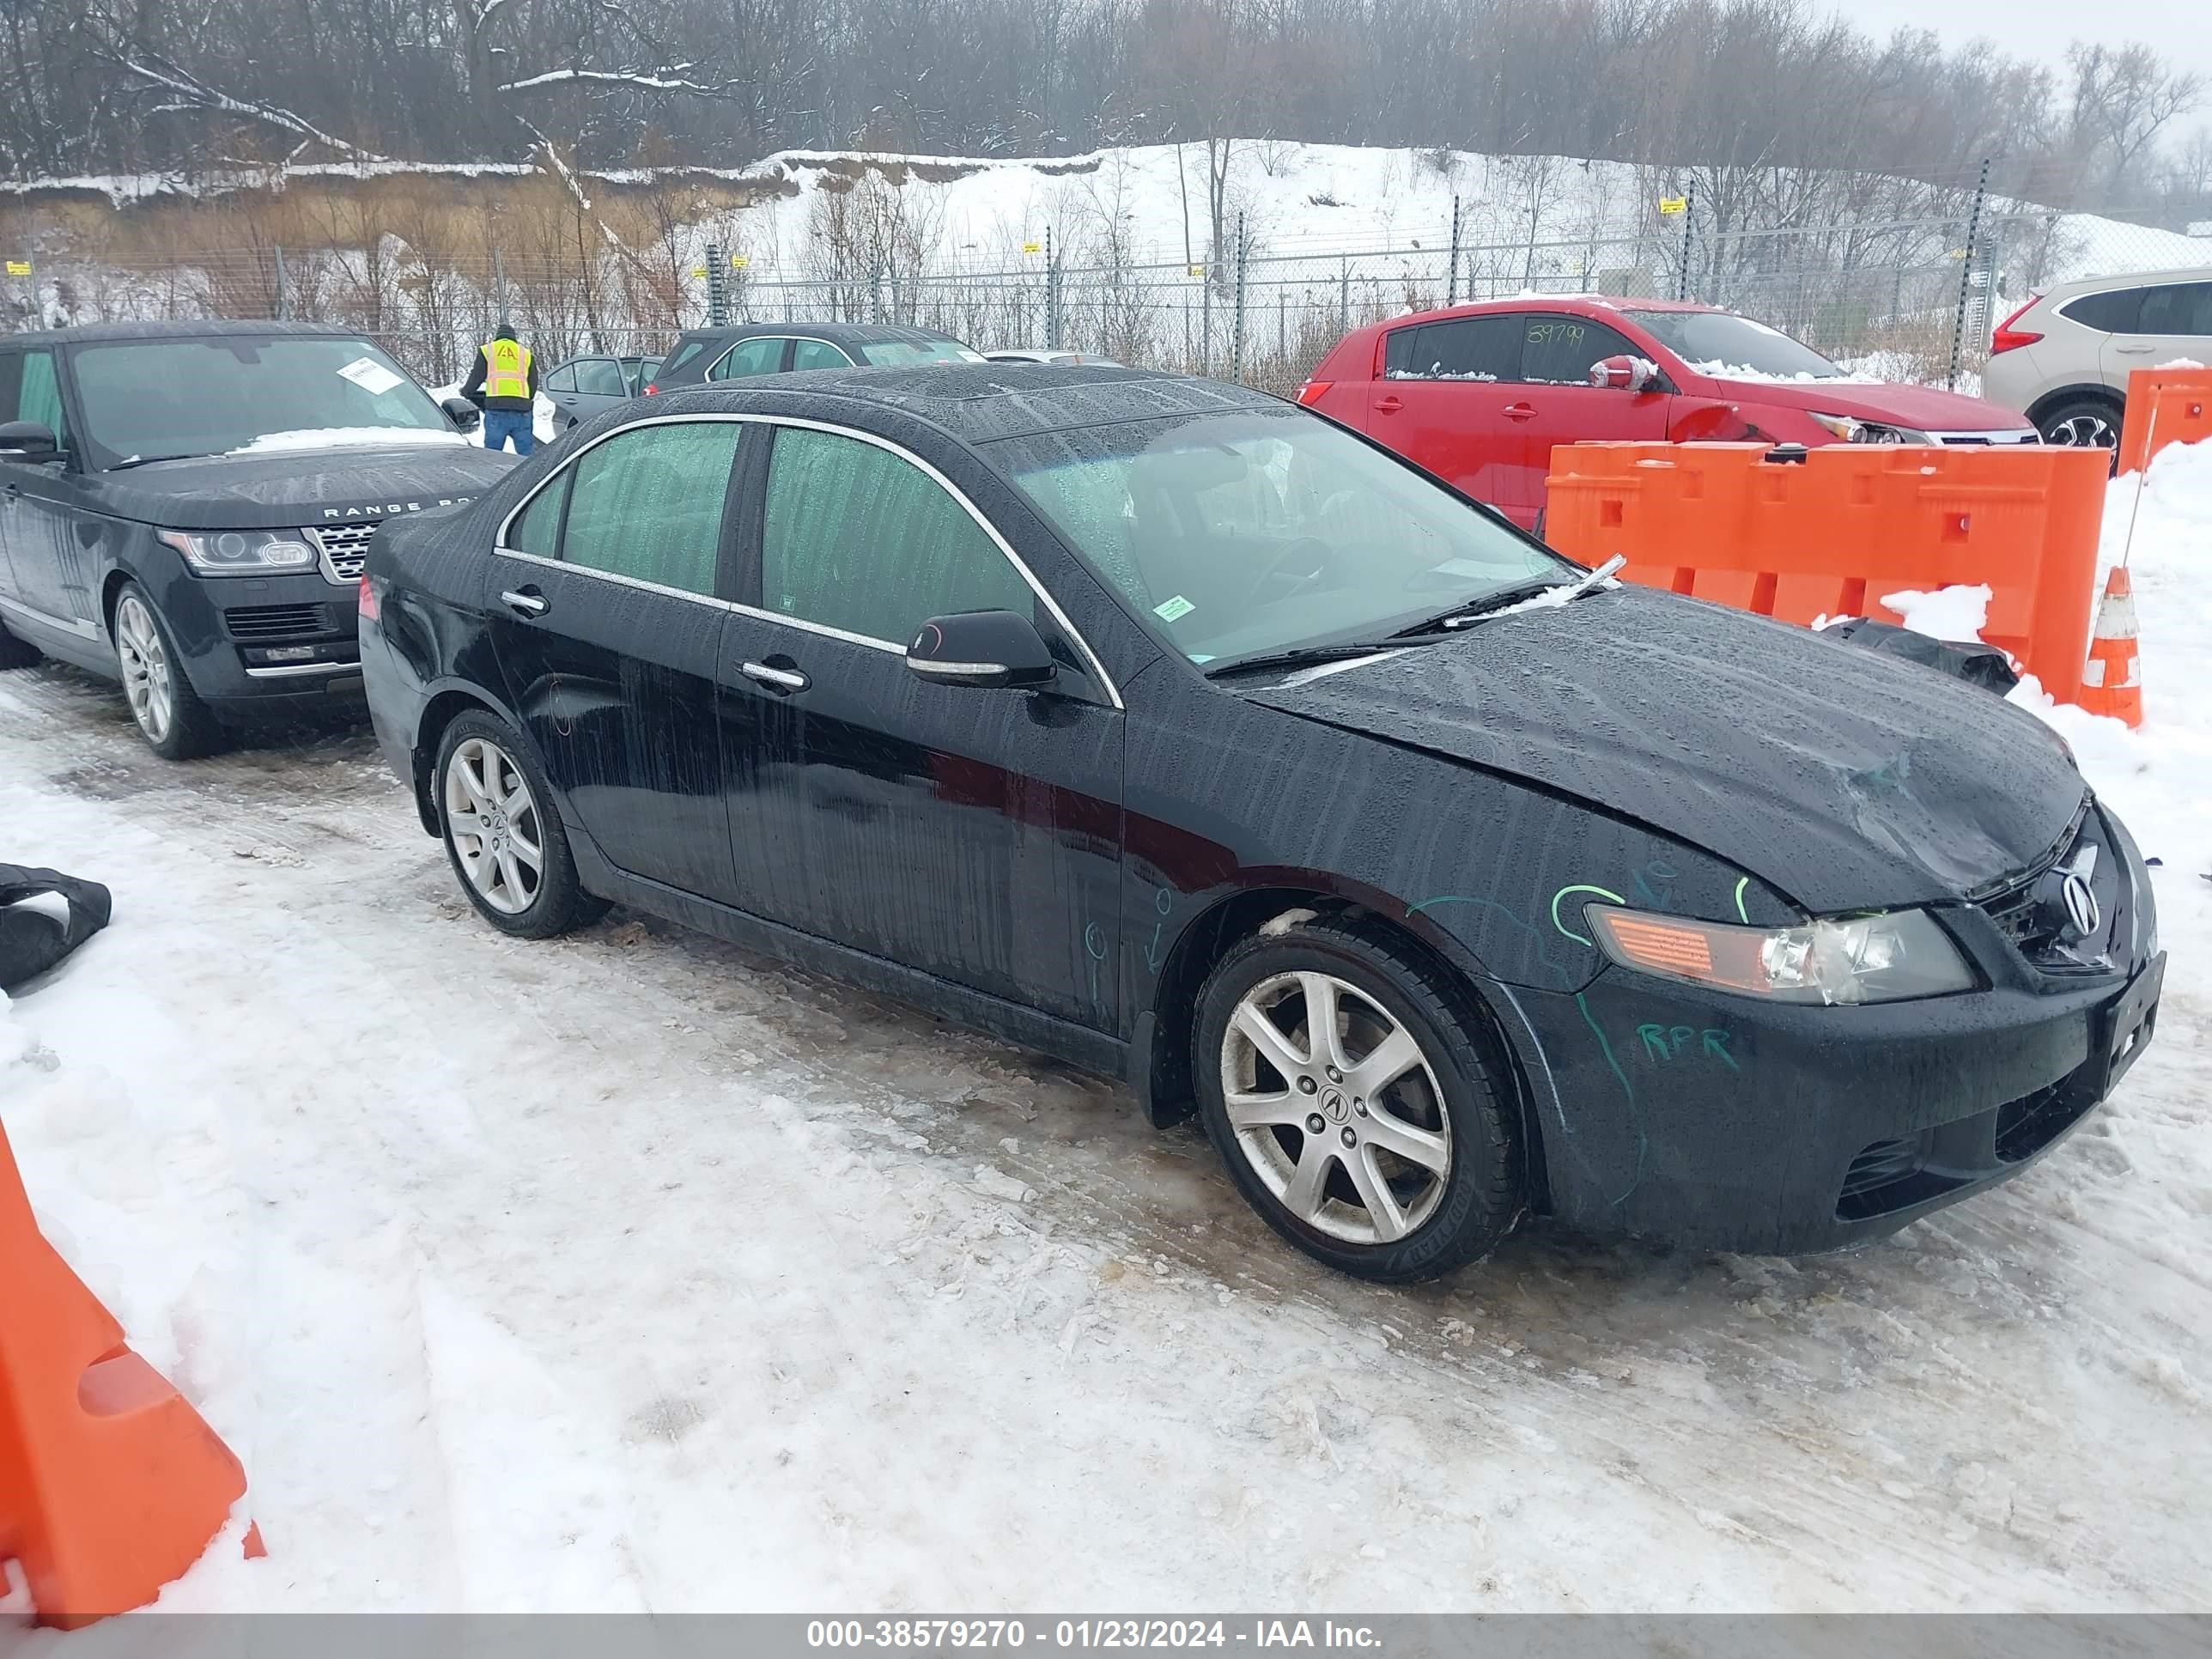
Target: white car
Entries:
(2064, 356)
(1025, 354)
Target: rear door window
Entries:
(857, 538)
(2117, 311)
(562, 379)
(2184, 308)
(686, 352)
(762, 354)
(601, 377)
(1557, 350)
(538, 528)
(818, 353)
(1486, 348)
(647, 504)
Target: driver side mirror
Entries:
(28, 440)
(988, 648)
(463, 413)
(1623, 374)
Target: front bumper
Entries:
(1728, 1122)
(256, 643)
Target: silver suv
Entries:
(2064, 356)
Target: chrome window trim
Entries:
(638, 582)
(500, 546)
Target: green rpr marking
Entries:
(1603, 893)
(1741, 914)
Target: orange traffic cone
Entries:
(110, 1485)
(2111, 680)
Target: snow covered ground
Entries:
(627, 1271)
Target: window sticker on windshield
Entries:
(1174, 610)
(371, 376)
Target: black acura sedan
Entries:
(1181, 733)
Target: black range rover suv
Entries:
(185, 507)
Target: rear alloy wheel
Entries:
(176, 725)
(2082, 423)
(1353, 1103)
(503, 836)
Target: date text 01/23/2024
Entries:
(1139, 1633)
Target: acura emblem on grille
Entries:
(2081, 899)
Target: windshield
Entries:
(144, 399)
(1732, 347)
(892, 354)
(1267, 529)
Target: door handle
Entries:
(1388, 405)
(783, 679)
(2134, 351)
(525, 602)
(1519, 411)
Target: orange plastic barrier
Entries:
(2165, 406)
(110, 1485)
(1833, 532)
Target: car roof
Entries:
(1581, 305)
(979, 403)
(215, 328)
(2131, 279)
(835, 333)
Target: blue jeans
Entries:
(501, 424)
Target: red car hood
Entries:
(1924, 409)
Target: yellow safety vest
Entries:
(507, 369)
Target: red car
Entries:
(1478, 394)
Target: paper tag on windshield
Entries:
(371, 376)
(1173, 609)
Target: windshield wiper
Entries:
(1300, 656)
(149, 461)
(1491, 603)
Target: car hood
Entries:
(1844, 779)
(345, 484)
(1923, 408)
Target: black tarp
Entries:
(31, 939)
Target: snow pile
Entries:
(1956, 614)
(349, 437)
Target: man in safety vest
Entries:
(506, 388)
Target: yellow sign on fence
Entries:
(1032, 248)
(698, 270)
(1197, 270)
(19, 267)
(739, 261)
(1670, 206)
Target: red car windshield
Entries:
(1729, 347)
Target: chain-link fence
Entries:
(1906, 298)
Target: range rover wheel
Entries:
(1357, 1103)
(503, 835)
(176, 725)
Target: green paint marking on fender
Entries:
(1602, 892)
(1742, 882)
(1581, 1001)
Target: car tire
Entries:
(2084, 421)
(176, 724)
(486, 772)
(1316, 1156)
(17, 654)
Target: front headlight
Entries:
(1852, 431)
(239, 552)
(1879, 958)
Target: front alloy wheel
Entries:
(169, 713)
(1336, 1108)
(1359, 1099)
(499, 839)
(147, 680)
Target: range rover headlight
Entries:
(1888, 958)
(241, 552)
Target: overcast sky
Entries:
(2041, 28)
